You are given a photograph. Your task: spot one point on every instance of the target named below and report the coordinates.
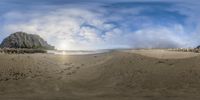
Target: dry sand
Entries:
(117, 75)
(163, 54)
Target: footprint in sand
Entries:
(160, 62)
(70, 73)
(68, 68)
(67, 64)
(82, 64)
(13, 59)
(78, 67)
(73, 72)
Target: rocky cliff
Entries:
(24, 40)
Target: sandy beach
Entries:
(116, 75)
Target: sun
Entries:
(63, 46)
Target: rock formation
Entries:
(198, 47)
(24, 40)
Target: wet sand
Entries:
(117, 75)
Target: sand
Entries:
(164, 54)
(116, 75)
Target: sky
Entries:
(105, 24)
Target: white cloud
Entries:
(89, 28)
(150, 37)
(63, 25)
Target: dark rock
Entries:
(198, 47)
(24, 40)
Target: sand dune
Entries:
(117, 75)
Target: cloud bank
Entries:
(115, 25)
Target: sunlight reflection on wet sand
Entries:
(63, 52)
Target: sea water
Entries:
(77, 52)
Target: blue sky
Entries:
(101, 24)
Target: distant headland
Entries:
(21, 42)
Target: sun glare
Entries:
(63, 53)
(63, 46)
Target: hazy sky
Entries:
(101, 24)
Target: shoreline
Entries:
(86, 52)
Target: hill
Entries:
(25, 40)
